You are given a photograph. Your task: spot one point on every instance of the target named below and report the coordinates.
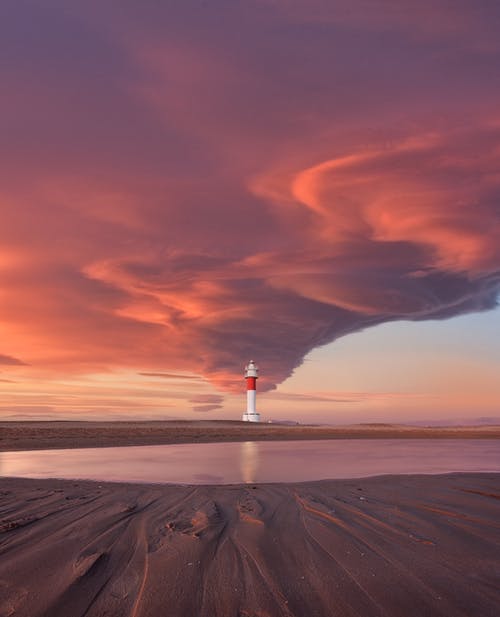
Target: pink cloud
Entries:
(175, 200)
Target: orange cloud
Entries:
(407, 230)
(177, 198)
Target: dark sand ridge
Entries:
(397, 546)
(48, 435)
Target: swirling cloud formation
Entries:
(185, 186)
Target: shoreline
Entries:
(393, 545)
(380, 477)
(23, 436)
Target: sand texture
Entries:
(388, 546)
(49, 435)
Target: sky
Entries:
(313, 184)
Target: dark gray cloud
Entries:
(10, 361)
(186, 186)
(175, 376)
(205, 408)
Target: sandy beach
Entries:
(393, 545)
(420, 545)
(48, 435)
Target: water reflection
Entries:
(249, 461)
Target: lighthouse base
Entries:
(251, 417)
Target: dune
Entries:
(383, 546)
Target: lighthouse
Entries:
(251, 375)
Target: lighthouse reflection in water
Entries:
(249, 461)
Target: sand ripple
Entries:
(402, 545)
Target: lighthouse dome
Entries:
(251, 370)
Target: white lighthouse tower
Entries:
(251, 376)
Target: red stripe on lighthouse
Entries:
(251, 383)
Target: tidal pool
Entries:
(253, 462)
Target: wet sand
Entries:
(387, 546)
(49, 435)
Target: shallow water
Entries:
(252, 461)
